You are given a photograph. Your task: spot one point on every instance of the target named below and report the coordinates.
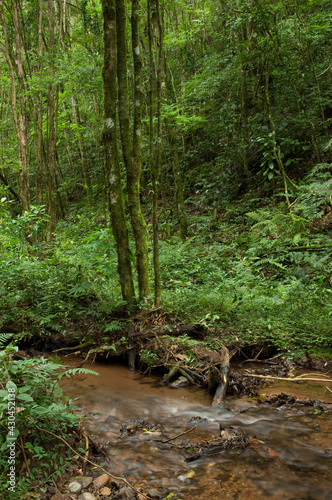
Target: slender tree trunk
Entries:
(134, 167)
(112, 166)
(39, 144)
(244, 95)
(155, 83)
(19, 112)
(132, 151)
(51, 140)
(86, 177)
(61, 192)
(23, 130)
(172, 139)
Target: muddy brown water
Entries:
(289, 457)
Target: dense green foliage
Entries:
(33, 385)
(254, 272)
(224, 112)
(247, 95)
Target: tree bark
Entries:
(39, 142)
(51, 139)
(86, 177)
(132, 150)
(155, 94)
(112, 167)
(15, 64)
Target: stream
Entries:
(289, 457)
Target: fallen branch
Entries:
(171, 374)
(193, 373)
(187, 376)
(76, 348)
(308, 375)
(295, 379)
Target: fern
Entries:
(82, 371)
(4, 338)
(114, 326)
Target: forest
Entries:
(159, 156)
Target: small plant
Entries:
(33, 412)
(148, 358)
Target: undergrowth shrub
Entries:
(269, 279)
(46, 289)
(33, 414)
(315, 192)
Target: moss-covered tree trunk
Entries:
(39, 114)
(51, 140)
(112, 167)
(155, 97)
(132, 150)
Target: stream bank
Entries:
(150, 430)
(287, 453)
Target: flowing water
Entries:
(289, 457)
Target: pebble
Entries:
(101, 481)
(87, 496)
(180, 382)
(127, 493)
(154, 493)
(105, 491)
(84, 481)
(74, 487)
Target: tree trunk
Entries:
(112, 166)
(51, 140)
(39, 142)
(155, 94)
(86, 177)
(15, 64)
(132, 151)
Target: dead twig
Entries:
(308, 375)
(75, 348)
(179, 435)
(86, 452)
(295, 379)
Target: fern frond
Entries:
(4, 338)
(81, 371)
